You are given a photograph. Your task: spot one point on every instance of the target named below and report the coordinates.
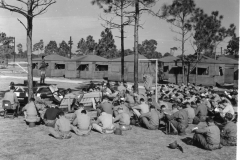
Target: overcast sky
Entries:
(79, 18)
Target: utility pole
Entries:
(136, 46)
(14, 53)
(70, 43)
(221, 50)
(122, 44)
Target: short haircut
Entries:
(84, 111)
(152, 107)
(209, 120)
(224, 101)
(229, 116)
(198, 101)
(141, 100)
(32, 99)
(174, 106)
(12, 88)
(69, 90)
(60, 114)
(163, 106)
(127, 92)
(81, 105)
(149, 99)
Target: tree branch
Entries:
(22, 23)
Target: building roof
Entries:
(89, 58)
(52, 57)
(129, 58)
(168, 59)
(227, 60)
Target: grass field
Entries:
(19, 142)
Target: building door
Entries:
(229, 75)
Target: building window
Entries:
(203, 71)
(59, 66)
(83, 67)
(220, 71)
(101, 67)
(175, 70)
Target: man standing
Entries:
(208, 137)
(150, 120)
(12, 97)
(43, 71)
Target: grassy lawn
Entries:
(19, 142)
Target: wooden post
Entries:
(136, 46)
(156, 80)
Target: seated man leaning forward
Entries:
(104, 123)
(105, 106)
(150, 120)
(83, 123)
(178, 121)
(50, 116)
(143, 107)
(228, 136)
(31, 112)
(62, 127)
(123, 119)
(12, 97)
(209, 137)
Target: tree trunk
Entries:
(29, 56)
(136, 46)
(183, 74)
(122, 44)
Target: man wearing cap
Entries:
(105, 106)
(12, 97)
(150, 120)
(122, 118)
(143, 107)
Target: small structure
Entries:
(56, 65)
(144, 67)
(231, 70)
(87, 67)
(164, 65)
(206, 71)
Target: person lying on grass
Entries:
(207, 138)
(229, 132)
(150, 120)
(62, 127)
(83, 123)
(104, 123)
(123, 119)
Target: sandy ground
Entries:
(19, 142)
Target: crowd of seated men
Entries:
(176, 107)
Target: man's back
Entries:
(213, 135)
(124, 119)
(144, 108)
(31, 109)
(51, 113)
(63, 124)
(107, 107)
(154, 117)
(201, 110)
(83, 121)
(191, 114)
(10, 96)
(181, 116)
(106, 120)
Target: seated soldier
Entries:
(191, 112)
(50, 116)
(30, 113)
(129, 99)
(228, 136)
(92, 86)
(12, 97)
(104, 123)
(201, 111)
(83, 123)
(105, 106)
(150, 120)
(160, 103)
(62, 127)
(174, 108)
(123, 106)
(123, 119)
(178, 121)
(121, 89)
(208, 137)
(143, 107)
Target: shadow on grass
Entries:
(187, 140)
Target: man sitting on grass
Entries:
(229, 132)
(104, 123)
(178, 121)
(123, 119)
(191, 112)
(105, 106)
(208, 137)
(143, 107)
(50, 116)
(83, 123)
(62, 127)
(150, 120)
(30, 113)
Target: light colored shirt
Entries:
(143, 107)
(153, 117)
(191, 114)
(63, 124)
(83, 121)
(11, 96)
(106, 120)
(30, 109)
(228, 109)
(123, 118)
